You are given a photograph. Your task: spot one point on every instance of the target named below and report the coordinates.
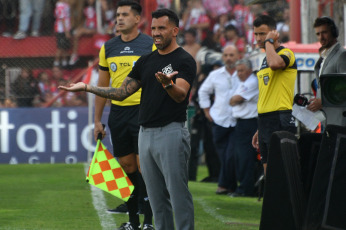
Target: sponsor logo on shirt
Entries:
(168, 69)
(127, 50)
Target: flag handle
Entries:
(99, 136)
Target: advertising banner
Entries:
(47, 135)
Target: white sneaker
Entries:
(6, 34)
(35, 33)
(56, 63)
(73, 59)
(19, 35)
(64, 63)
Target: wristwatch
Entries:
(269, 40)
(170, 85)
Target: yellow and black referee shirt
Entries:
(276, 87)
(118, 57)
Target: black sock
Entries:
(144, 200)
(132, 203)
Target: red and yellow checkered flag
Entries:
(106, 174)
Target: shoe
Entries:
(35, 33)
(64, 63)
(73, 59)
(235, 194)
(148, 227)
(56, 63)
(6, 34)
(221, 191)
(19, 35)
(129, 226)
(121, 209)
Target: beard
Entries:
(164, 43)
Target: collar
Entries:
(326, 52)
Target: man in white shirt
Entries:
(244, 103)
(223, 83)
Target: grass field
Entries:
(56, 196)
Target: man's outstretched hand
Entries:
(74, 87)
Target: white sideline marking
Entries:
(99, 202)
(211, 211)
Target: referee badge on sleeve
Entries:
(113, 66)
(265, 79)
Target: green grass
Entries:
(56, 196)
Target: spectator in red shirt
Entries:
(195, 17)
(240, 12)
(62, 29)
(231, 37)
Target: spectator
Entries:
(283, 27)
(25, 88)
(244, 102)
(231, 37)
(276, 83)
(62, 29)
(223, 82)
(9, 103)
(88, 28)
(108, 13)
(215, 7)
(76, 12)
(28, 9)
(57, 75)
(191, 45)
(163, 4)
(44, 85)
(195, 17)
(240, 13)
(8, 9)
(223, 20)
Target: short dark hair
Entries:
(265, 20)
(135, 6)
(231, 27)
(191, 31)
(327, 21)
(172, 17)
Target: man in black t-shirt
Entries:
(166, 76)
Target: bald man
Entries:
(222, 82)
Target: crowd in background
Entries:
(206, 26)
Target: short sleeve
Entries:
(137, 69)
(103, 65)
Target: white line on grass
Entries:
(219, 217)
(211, 211)
(99, 202)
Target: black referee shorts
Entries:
(124, 128)
(268, 123)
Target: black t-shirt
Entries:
(157, 108)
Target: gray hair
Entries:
(245, 62)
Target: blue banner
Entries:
(47, 135)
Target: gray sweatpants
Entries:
(164, 153)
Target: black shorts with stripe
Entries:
(124, 128)
(268, 123)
